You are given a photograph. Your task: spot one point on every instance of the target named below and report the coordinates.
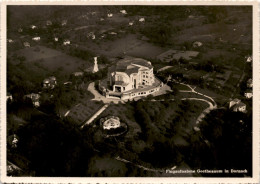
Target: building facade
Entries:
(130, 74)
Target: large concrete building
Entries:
(129, 78)
(130, 73)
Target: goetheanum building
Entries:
(129, 78)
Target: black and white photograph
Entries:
(130, 90)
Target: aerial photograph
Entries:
(129, 91)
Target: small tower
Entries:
(95, 69)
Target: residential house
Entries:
(49, 83)
(109, 15)
(48, 23)
(197, 44)
(237, 106)
(35, 98)
(249, 59)
(77, 74)
(142, 20)
(64, 22)
(66, 42)
(37, 38)
(123, 12)
(33, 27)
(131, 23)
(248, 93)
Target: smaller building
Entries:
(197, 44)
(248, 94)
(109, 15)
(10, 41)
(131, 23)
(37, 38)
(249, 59)
(123, 12)
(33, 27)
(56, 39)
(66, 42)
(237, 106)
(26, 44)
(35, 99)
(142, 19)
(49, 83)
(249, 83)
(9, 96)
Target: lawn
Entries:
(53, 60)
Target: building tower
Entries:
(95, 69)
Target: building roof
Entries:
(129, 65)
(241, 104)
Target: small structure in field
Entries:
(197, 44)
(56, 39)
(37, 38)
(10, 41)
(33, 27)
(35, 99)
(109, 15)
(248, 94)
(249, 59)
(142, 19)
(66, 42)
(123, 12)
(131, 23)
(49, 83)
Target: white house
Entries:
(197, 44)
(66, 42)
(123, 12)
(109, 15)
(249, 59)
(142, 19)
(37, 38)
(33, 27)
(56, 39)
(248, 94)
(10, 41)
(237, 106)
(131, 23)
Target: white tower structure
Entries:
(95, 69)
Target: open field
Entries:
(53, 60)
